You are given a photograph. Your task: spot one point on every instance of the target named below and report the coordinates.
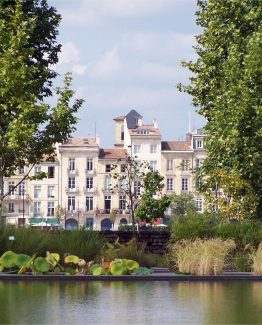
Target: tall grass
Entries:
(85, 244)
(200, 257)
(256, 260)
(26, 240)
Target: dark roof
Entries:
(112, 153)
(176, 145)
(119, 118)
(131, 119)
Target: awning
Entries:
(42, 221)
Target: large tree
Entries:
(227, 88)
(29, 127)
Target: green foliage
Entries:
(153, 204)
(242, 262)
(27, 240)
(41, 265)
(192, 227)
(122, 266)
(8, 259)
(71, 259)
(182, 205)
(142, 271)
(226, 87)
(29, 127)
(85, 244)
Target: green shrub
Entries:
(241, 262)
(243, 233)
(150, 260)
(193, 226)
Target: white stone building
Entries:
(79, 182)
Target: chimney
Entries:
(98, 140)
(155, 123)
(139, 122)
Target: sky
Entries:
(126, 54)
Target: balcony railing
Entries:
(72, 190)
(90, 172)
(24, 197)
(89, 190)
(72, 171)
(108, 211)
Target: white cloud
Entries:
(69, 53)
(93, 12)
(79, 69)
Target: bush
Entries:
(241, 262)
(243, 233)
(193, 226)
(200, 257)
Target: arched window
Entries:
(123, 221)
(106, 224)
(71, 224)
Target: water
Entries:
(130, 303)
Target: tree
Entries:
(226, 87)
(183, 204)
(153, 204)
(130, 182)
(29, 127)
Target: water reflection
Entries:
(130, 303)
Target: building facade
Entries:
(79, 187)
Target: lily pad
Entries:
(142, 271)
(117, 268)
(41, 265)
(131, 264)
(22, 259)
(71, 259)
(8, 259)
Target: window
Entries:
(122, 185)
(199, 144)
(122, 202)
(37, 170)
(37, 209)
(89, 183)
(153, 165)
(51, 172)
(122, 168)
(169, 164)
(71, 164)
(199, 204)
(71, 182)
(11, 207)
(90, 223)
(11, 186)
(71, 203)
(21, 170)
(169, 184)
(184, 184)
(107, 183)
(108, 168)
(122, 133)
(137, 188)
(50, 209)
(89, 203)
(199, 183)
(89, 164)
(107, 203)
(137, 148)
(37, 191)
(185, 164)
(153, 148)
(199, 162)
(50, 191)
(21, 190)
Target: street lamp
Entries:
(23, 192)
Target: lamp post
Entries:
(23, 192)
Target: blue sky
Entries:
(125, 54)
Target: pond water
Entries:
(131, 302)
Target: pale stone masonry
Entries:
(79, 181)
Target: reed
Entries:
(200, 257)
(256, 260)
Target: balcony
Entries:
(89, 190)
(17, 197)
(107, 190)
(72, 171)
(108, 211)
(90, 172)
(72, 190)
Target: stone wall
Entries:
(156, 241)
